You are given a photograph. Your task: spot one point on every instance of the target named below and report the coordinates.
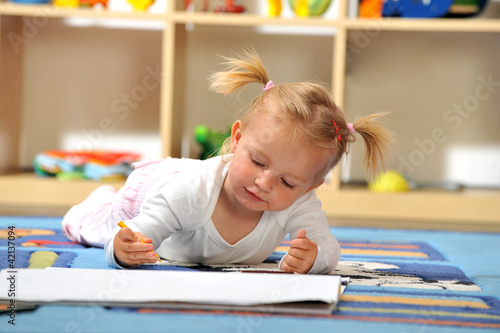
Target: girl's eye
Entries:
(287, 184)
(257, 163)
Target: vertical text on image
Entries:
(12, 275)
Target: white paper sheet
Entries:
(108, 286)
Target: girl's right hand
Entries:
(130, 251)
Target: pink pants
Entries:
(91, 221)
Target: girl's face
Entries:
(268, 171)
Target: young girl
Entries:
(237, 207)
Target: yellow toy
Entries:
(274, 7)
(390, 181)
(80, 3)
(301, 8)
(306, 8)
(67, 3)
(141, 5)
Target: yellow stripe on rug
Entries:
(384, 253)
(380, 246)
(413, 301)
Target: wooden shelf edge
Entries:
(30, 191)
(250, 20)
(408, 224)
(444, 24)
(456, 208)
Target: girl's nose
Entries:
(264, 181)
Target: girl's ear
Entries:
(235, 135)
(315, 186)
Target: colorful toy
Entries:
(94, 165)
(92, 3)
(412, 8)
(78, 3)
(67, 3)
(32, 2)
(466, 8)
(140, 5)
(304, 8)
(390, 181)
(209, 140)
(371, 8)
(189, 3)
(420, 8)
(229, 7)
(274, 7)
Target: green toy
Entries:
(210, 141)
(309, 7)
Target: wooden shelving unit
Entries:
(471, 210)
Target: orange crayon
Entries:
(123, 225)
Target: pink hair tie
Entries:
(268, 86)
(351, 128)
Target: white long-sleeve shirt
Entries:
(176, 214)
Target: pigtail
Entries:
(245, 68)
(378, 139)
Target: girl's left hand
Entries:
(302, 254)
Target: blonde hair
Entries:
(306, 110)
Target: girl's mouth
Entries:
(253, 196)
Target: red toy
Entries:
(229, 7)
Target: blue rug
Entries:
(401, 281)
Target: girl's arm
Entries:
(156, 223)
(170, 209)
(306, 215)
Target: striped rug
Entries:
(400, 281)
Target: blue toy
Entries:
(419, 8)
(432, 8)
(32, 2)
